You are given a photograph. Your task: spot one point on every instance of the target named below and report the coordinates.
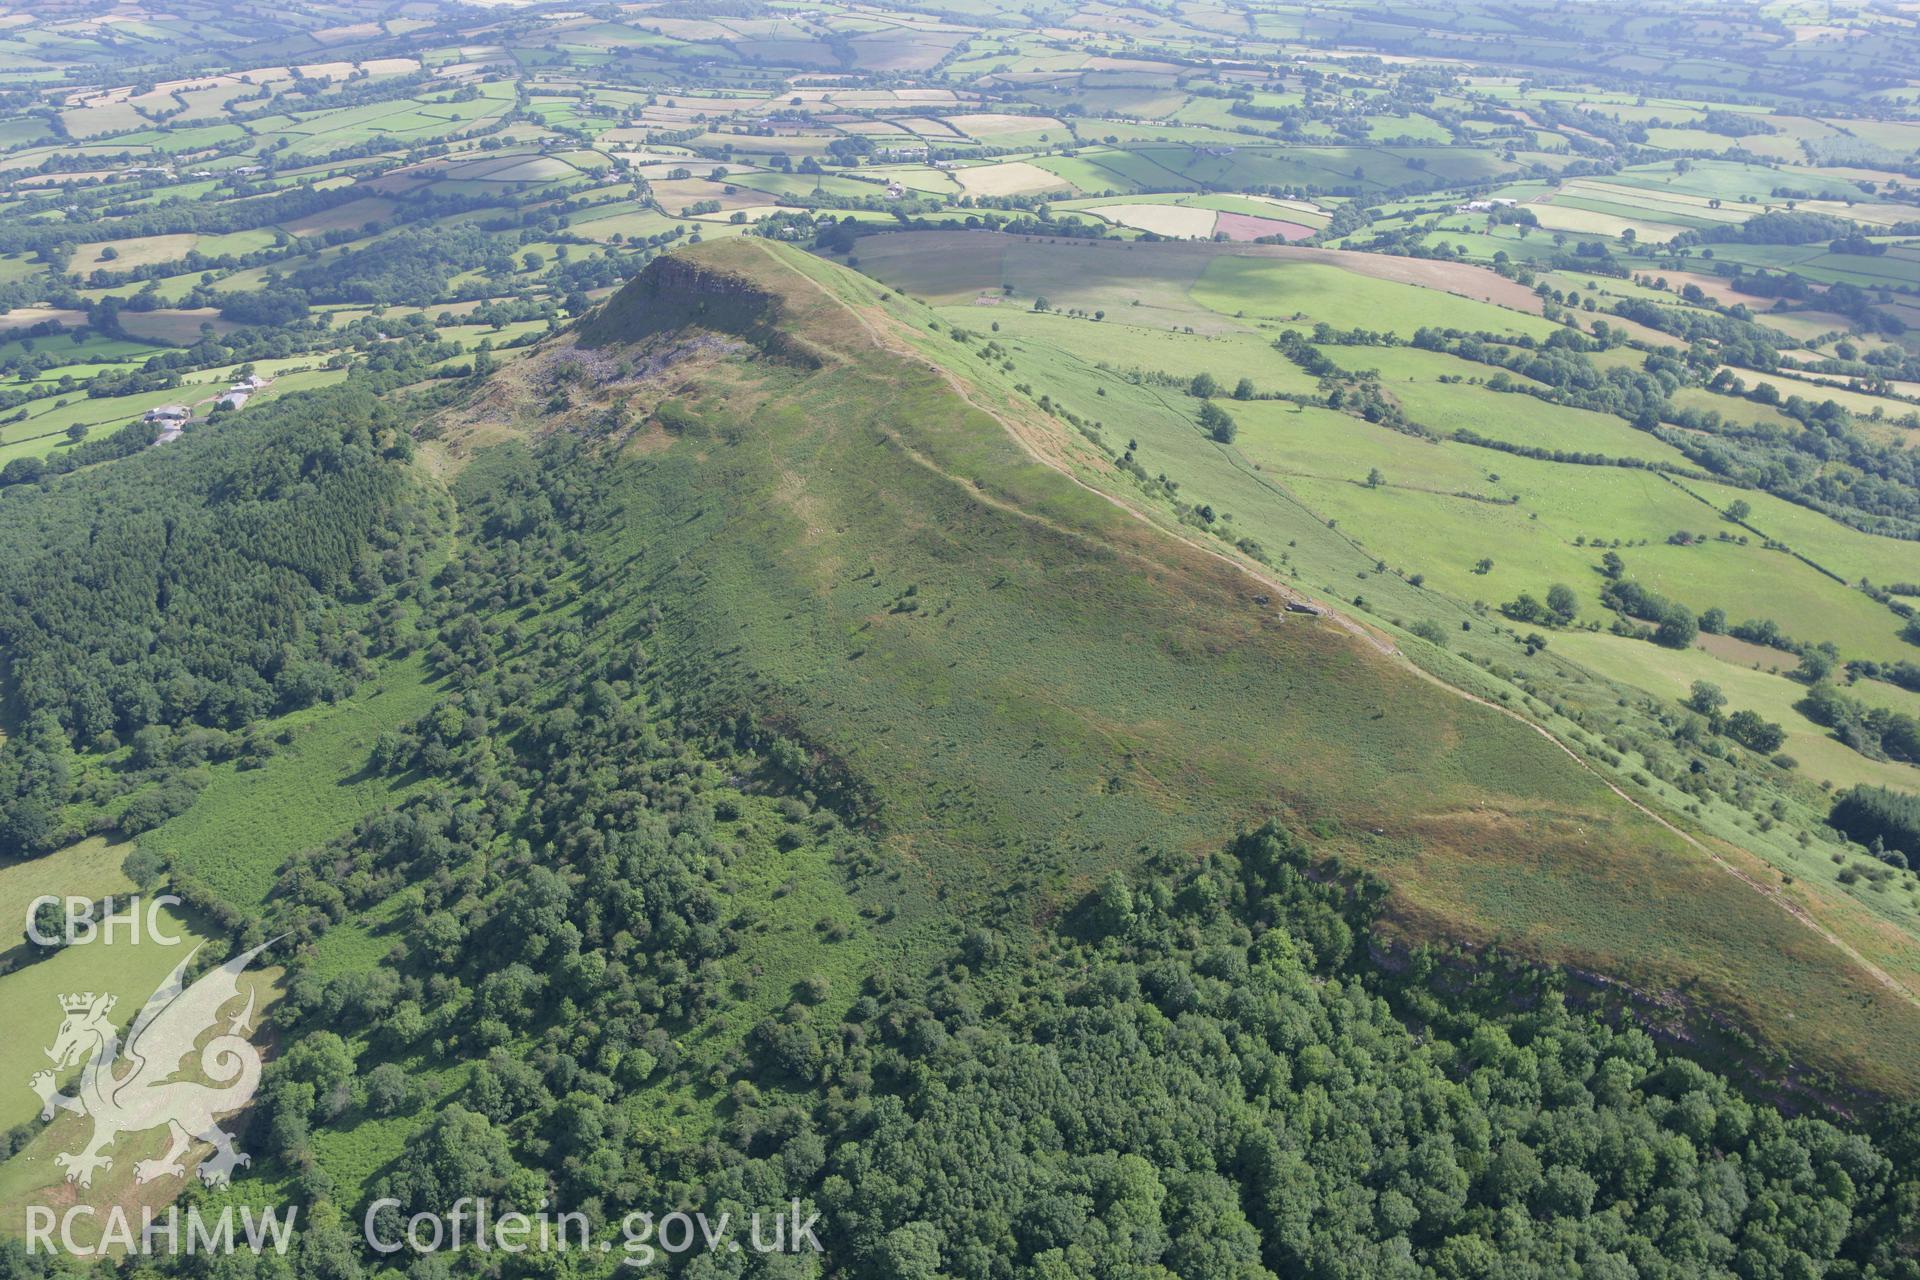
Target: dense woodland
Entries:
(179, 600)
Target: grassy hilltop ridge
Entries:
(1022, 685)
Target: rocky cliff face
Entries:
(676, 292)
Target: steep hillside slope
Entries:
(1020, 685)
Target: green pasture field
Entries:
(1257, 207)
(1669, 214)
(1733, 408)
(1129, 134)
(1671, 673)
(1214, 112)
(1807, 327)
(98, 119)
(917, 178)
(29, 1176)
(1896, 267)
(1859, 403)
(246, 823)
(794, 145)
(1305, 292)
(1728, 180)
(1618, 358)
(1687, 140)
(18, 266)
(126, 969)
(1418, 127)
(1604, 287)
(1125, 346)
(306, 380)
(1440, 511)
(801, 184)
(1443, 507)
(1587, 223)
(1675, 206)
(154, 250)
(1251, 205)
(195, 139)
(1481, 244)
(89, 869)
(1890, 697)
(1087, 172)
(23, 131)
(175, 327)
(48, 379)
(1130, 170)
(630, 223)
(1146, 103)
(168, 289)
(94, 347)
(1510, 417)
(409, 122)
(1845, 551)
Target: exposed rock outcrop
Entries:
(677, 292)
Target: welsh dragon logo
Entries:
(133, 1091)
